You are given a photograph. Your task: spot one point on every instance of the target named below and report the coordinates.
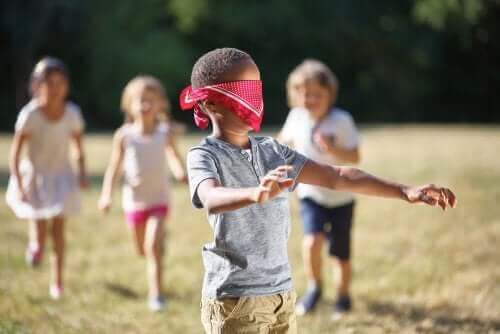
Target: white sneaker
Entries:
(157, 304)
(55, 291)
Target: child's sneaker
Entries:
(55, 291)
(342, 306)
(157, 304)
(33, 256)
(307, 303)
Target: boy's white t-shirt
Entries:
(298, 131)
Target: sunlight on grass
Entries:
(416, 269)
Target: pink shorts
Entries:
(137, 217)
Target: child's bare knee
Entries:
(152, 249)
(141, 251)
(313, 241)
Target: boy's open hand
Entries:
(273, 184)
(431, 195)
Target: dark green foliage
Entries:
(397, 61)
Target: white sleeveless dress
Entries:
(46, 173)
(145, 171)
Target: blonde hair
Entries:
(314, 70)
(136, 85)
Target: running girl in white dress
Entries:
(43, 187)
(142, 145)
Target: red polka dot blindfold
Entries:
(243, 98)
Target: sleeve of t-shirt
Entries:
(349, 135)
(25, 121)
(294, 159)
(77, 124)
(201, 166)
(286, 133)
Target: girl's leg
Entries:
(36, 244)
(153, 245)
(138, 231)
(57, 232)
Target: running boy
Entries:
(327, 134)
(241, 182)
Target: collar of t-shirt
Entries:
(247, 153)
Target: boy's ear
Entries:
(208, 107)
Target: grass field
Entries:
(416, 269)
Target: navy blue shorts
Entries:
(335, 223)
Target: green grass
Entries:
(416, 269)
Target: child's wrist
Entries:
(403, 193)
(105, 197)
(254, 194)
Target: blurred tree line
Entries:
(398, 61)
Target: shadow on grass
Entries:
(40, 300)
(121, 290)
(8, 326)
(444, 319)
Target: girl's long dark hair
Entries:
(43, 69)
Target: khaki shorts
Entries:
(260, 314)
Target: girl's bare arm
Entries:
(80, 156)
(112, 170)
(175, 161)
(15, 154)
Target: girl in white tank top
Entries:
(144, 166)
(142, 146)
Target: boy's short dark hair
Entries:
(213, 66)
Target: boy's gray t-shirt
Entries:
(248, 256)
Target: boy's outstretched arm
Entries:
(217, 199)
(357, 181)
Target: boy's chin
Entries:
(242, 126)
(241, 129)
